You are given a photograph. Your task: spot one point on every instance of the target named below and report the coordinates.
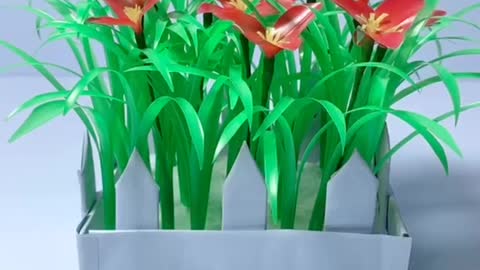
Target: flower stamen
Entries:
(273, 36)
(134, 14)
(239, 4)
(373, 24)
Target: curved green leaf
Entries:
(39, 117)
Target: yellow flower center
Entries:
(134, 13)
(273, 36)
(239, 4)
(373, 24)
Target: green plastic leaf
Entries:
(415, 133)
(194, 126)
(39, 117)
(453, 89)
(271, 171)
(240, 87)
(161, 61)
(272, 117)
(179, 30)
(288, 187)
(230, 130)
(37, 65)
(151, 114)
(54, 96)
(81, 86)
(418, 121)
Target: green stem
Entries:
(268, 66)
(246, 55)
(267, 76)
(318, 216)
(207, 19)
(108, 186)
(248, 72)
(366, 54)
(330, 6)
(207, 22)
(164, 178)
(141, 43)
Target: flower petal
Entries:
(225, 3)
(400, 13)
(111, 21)
(286, 3)
(293, 44)
(296, 19)
(355, 8)
(248, 25)
(389, 40)
(114, 21)
(267, 9)
(269, 49)
(118, 7)
(436, 15)
(149, 4)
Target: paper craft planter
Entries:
(244, 242)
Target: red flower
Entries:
(129, 12)
(389, 23)
(264, 8)
(437, 14)
(284, 35)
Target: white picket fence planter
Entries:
(361, 234)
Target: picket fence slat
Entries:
(244, 195)
(86, 177)
(137, 197)
(352, 198)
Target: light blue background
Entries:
(39, 196)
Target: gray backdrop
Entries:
(39, 198)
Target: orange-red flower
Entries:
(437, 14)
(388, 24)
(284, 35)
(130, 13)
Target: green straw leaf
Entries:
(161, 62)
(420, 122)
(272, 117)
(81, 86)
(412, 135)
(54, 96)
(194, 127)
(271, 171)
(150, 115)
(452, 86)
(230, 130)
(39, 117)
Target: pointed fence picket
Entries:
(244, 195)
(137, 197)
(352, 198)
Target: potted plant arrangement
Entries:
(243, 134)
